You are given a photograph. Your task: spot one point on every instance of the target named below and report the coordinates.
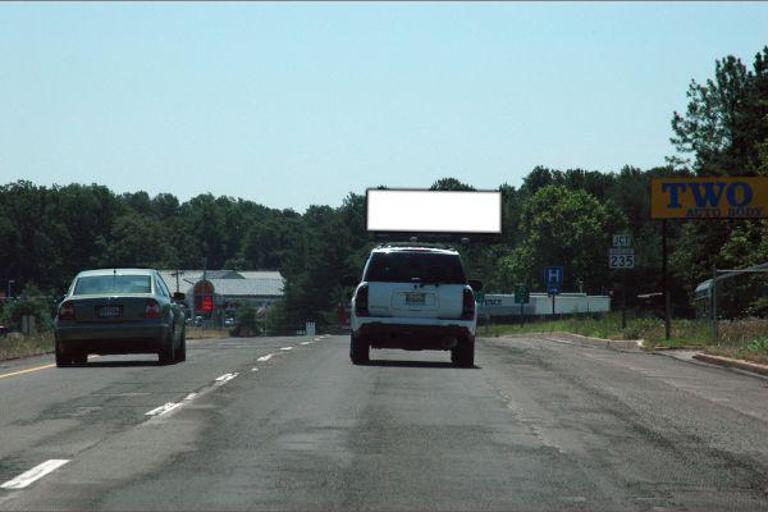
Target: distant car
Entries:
(414, 298)
(229, 322)
(119, 311)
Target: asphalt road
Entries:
(537, 425)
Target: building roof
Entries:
(247, 287)
(229, 282)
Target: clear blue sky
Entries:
(297, 104)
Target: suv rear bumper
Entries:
(413, 336)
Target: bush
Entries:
(31, 303)
(248, 322)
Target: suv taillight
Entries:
(152, 310)
(361, 301)
(67, 311)
(468, 309)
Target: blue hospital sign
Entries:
(709, 198)
(553, 277)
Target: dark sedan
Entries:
(119, 311)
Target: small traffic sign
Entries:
(622, 241)
(480, 297)
(522, 296)
(553, 277)
(621, 258)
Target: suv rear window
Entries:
(404, 267)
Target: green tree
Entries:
(569, 228)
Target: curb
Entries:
(739, 364)
(620, 345)
(617, 345)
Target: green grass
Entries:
(608, 326)
(743, 339)
(17, 345)
(196, 333)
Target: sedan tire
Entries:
(63, 358)
(167, 353)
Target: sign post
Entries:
(621, 256)
(522, 297)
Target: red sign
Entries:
(207, 304)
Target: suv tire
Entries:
(359, 350)
(463, 355)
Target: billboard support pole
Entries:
(713, 291)
(664, 283)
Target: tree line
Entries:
(555, 217)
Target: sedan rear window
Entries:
(404, 267)
(91, 285)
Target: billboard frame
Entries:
(435, 236)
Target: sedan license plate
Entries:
(415, 299)
(109, 311)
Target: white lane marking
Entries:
(286, 348)
(317, 339)
(33, 474)
(305, 343)
(254, 369)
(226, 378)
(265, 358)
(157, 411)
(190, 396)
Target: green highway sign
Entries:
(480, 297)
(522, 295)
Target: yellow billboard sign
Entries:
(709, 198)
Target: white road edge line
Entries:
(36, 473)
(265, 358)
(286, 348)
(157, 411)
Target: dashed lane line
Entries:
(34, 474)
(265, 358)
(226, 378)
(286, 348)
(159, 411)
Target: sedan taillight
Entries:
(468, 309)
(67, 311)
(361, 301)
(152, 310)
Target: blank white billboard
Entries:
(433, 211)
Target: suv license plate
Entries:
(109, 311)
(415, 299)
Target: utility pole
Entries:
(177, 274)
(10, 287)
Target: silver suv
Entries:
(414, 298)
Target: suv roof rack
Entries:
(431, 245)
